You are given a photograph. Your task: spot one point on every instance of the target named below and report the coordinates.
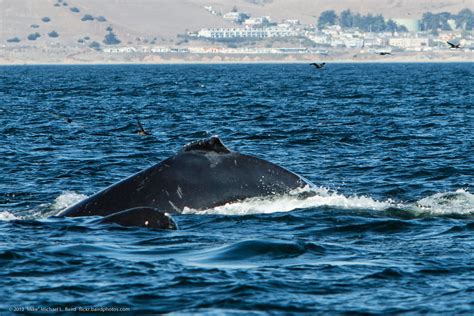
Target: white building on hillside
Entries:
(410, 43)
(318, 37)
(237, 17)
(292, 21)
(256, 22)
(224, 33)
(232, 16)
(116, 50)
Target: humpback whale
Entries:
(142, 217)
(202, 175)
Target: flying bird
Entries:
(141, 130)
(318, 66)
(453, 45)
(384, 53)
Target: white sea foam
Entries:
(67, 199)
(63, 201)
(459, 202)
(297, 199)
(7, 216)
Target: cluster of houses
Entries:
(336, 37)
(332, 36)
(212, 50)
(329, 39)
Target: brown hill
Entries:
(308, 10)
(162, 20)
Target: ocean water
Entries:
(388, 226)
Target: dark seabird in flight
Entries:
(318, 66)
(141, 130)
(384, 53)
(454, 45)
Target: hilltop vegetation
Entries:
(366, 23)
(432, 22)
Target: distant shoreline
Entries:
(47, 56)
(242, 61)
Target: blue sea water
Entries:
(388, 228)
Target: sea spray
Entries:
(459, 202)
(66, 199)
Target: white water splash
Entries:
(7, 216)
(297, 199)
(67, 199)
(460, 202)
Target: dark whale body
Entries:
(140, 217)
(202, 175)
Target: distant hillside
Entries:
(85, 21)
(307, 10)
(81, 22)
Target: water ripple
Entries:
(387, 228)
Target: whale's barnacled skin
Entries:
(202, 175)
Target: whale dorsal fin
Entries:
(213, 144)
